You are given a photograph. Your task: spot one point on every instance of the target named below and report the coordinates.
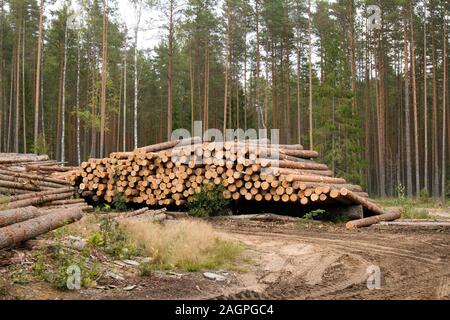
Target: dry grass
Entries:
(188, 245)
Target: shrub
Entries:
(209, 202)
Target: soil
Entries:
(284, 261)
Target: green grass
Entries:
(420, 202)
(409, 212)
(187, 246)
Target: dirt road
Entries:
(323, 262)
(290, 261)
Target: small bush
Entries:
(209, 202)
(119, 202)
(113, 240)
(313, 214)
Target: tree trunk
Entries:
(407, 115)
(104, 66)
(444, 110)
(227, 63)
(78, 99)
(124, 124)
(414, 89)
(63, 93)
(17, 87)
(311, 144)
(191, 80)
(258, 65)
(24, 113)
(434, 114)
(38, 75)
(425, 102)
(138, 9)
(170, 74)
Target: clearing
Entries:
(308, 260)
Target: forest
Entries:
(364, 83)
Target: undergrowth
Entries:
(209, 202)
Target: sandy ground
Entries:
(285, 261)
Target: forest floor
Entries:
(302, 260)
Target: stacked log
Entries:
(171, 173)
(29, 223)
(34, 180)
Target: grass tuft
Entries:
(186, 245)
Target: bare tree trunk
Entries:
(138, 9)
(352, 52)
(38, 75)
(227, 62)
(407, 115)
(17, 122)
(24, 122)
(425, 103)
(191, 79)
(104, 66)
(444, 109)
(245, 83)
(414, 89)
(78, 100)
(258, 65)
(2, 91)
(63, 97)
(8, 140)
(265, 120)
(124, 124)
(170, 74)
(311, 143)
(299, 118)
(434, 114)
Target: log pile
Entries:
(32, 186)
(171, 173)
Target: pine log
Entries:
(17, 157)
(366, 222)
(35, 194)
(363, 201)
(19, 232)
(292, 164)
(18, 185)
(36, 200)
(11, 216)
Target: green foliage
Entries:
(113, 240)
(51, 265)
(410, 212)
(312, 215)
(209, 202)
(119, 202)
(41, 146)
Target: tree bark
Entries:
(407, 114)
(414, 93)
(425, 101)
(311, 143)
(170, 73)
(104, 66)
(227, 62)
(444, 110)
(38, 75)
(366, 222)
(26, 230)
